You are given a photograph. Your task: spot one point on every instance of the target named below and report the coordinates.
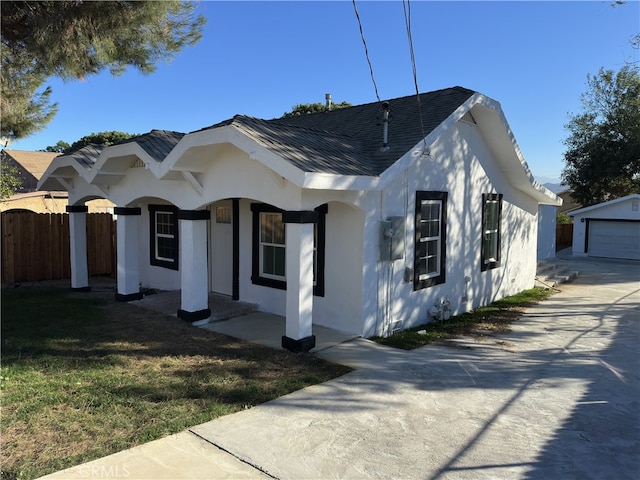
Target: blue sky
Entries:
(262, 58)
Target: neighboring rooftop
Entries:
(35, 163)
(31, 166)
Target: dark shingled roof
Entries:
(157, 143)
(87, 155)
(348, 141)
(363, 125)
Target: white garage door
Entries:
(614, 239)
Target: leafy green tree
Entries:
(97, 138)
(563, 218)
(72, 39)
(305, 108)
(10, 180)
(602, 160)
(60, 147)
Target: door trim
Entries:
(235, 214)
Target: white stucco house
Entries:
(361, 219)
(610, 229)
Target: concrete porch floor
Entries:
(242, 320)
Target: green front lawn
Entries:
(83, 377)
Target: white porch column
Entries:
(78, 244)
(194, 303)
(128, 275)
(299, 271)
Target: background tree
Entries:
(10, 180)
(97, 138)
(603, 148)
(305, 108)
(74, 39)
(60, 147)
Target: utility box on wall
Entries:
(392, 239)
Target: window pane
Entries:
(430, 211)
(432, 248)
(223, 214)
(432, 256)
(271, 228)
(273, 260)
(266, 228)
(164, 223)
(166, 248)
(490, 246)
(279, 261)
(422, 249)
(432, 265)
(491, 217)
(267, 260)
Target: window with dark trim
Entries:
(430, 239)
(269, 248)
(163, 236)
(491, 220)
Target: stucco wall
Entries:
(363, 295)
(547, 231)
(460, 163)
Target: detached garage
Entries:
(610, 229)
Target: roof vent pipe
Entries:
(385, 126)
(327, 105)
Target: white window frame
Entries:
(437, 238)
(263, 244)
(437, 276)
(171, 219)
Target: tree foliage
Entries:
(563, 218)
(76, 38)
(603, 147)
(97, 138)
(305, 108)
(60, 147)
(10, 180)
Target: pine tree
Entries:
(74, 39)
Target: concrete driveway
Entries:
(557, 398)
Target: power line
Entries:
(366, 50)
(406, 5)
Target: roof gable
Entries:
(35, 163)
(363, 124)
(609, 203)
(339, 149)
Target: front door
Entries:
(222, 247)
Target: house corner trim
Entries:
(128, 297)
(194, 316)
(302, 345)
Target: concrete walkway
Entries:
(556, 398)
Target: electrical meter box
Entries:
(392, 238)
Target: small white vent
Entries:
(467, 117)
(138, 164)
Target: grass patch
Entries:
(496, 317)
(83, 377)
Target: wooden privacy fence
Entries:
(35, 246)
(564, 234)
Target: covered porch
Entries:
(241, 320)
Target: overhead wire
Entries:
(366, 50)
(406, 5)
